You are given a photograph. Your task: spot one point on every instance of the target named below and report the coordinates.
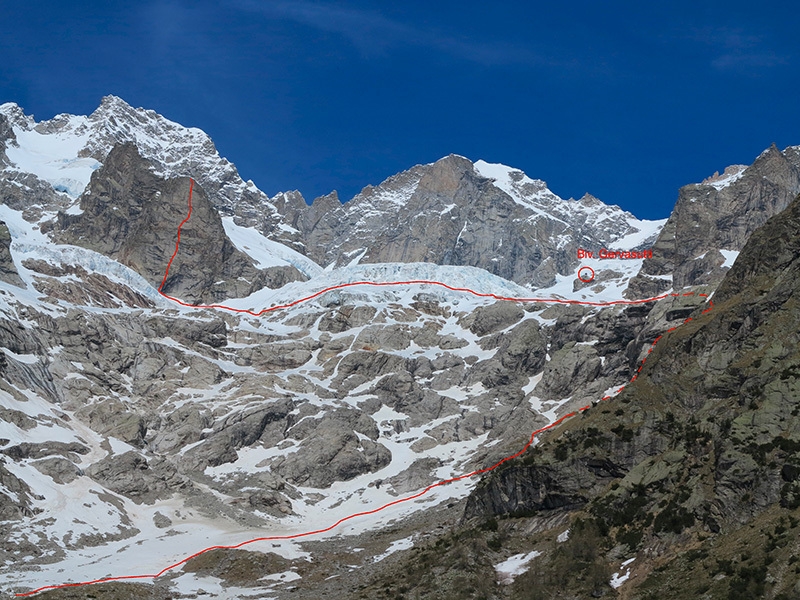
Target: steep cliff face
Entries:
(713, 220)
(131, 214)
(8, 271)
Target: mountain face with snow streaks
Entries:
(66, 149)
(132, 215)
(457, 212)
(135, 431)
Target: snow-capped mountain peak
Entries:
(515, 183)
(16, 116)
(456, 211)
(65, 150)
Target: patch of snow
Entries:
(513, 567)
(359, 255)
(618, 578)
(284, 577)
(644, 231)
(563, 537)
(266, 252)
(28, 359)
(53, 157)
(730, 257)
(396, 546)
(524, 190)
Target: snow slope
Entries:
(55, 157)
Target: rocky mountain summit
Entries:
(713, 220)
(67, 148)
(456, 212)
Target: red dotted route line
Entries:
(444, 482)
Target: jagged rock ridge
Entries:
(77, 144)
(456, 212)
(713, 220)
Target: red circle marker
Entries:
(583, 272)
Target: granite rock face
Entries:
(131, 214)
(716, 216)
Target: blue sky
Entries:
(625, 100)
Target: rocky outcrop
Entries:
(7, 136)
(73, 284)
(570, 369)
(717, 215)
(15, 499)
(332, 450)
(8, 271)
(132, 215)
(494, 317)
(236, 431)
(137, 478)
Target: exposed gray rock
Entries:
(277, 356)
(238, 430)
(161, 521)
(7, 136)
(402, 392)
(59, 469)
(73, 284)
(132, 215)
(270, 502)
(346, 317)
(210, 331)
(361, 366)
(8, 271)
(570, 369)
(182, 427)
(331, 450)
(111, 417)
(133, 476)
(25, 450)
(494, 317)
(416, 477)
(13, 508)
(523, 349)
(706, 220)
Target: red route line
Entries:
(399, 500)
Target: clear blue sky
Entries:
(626, 100)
